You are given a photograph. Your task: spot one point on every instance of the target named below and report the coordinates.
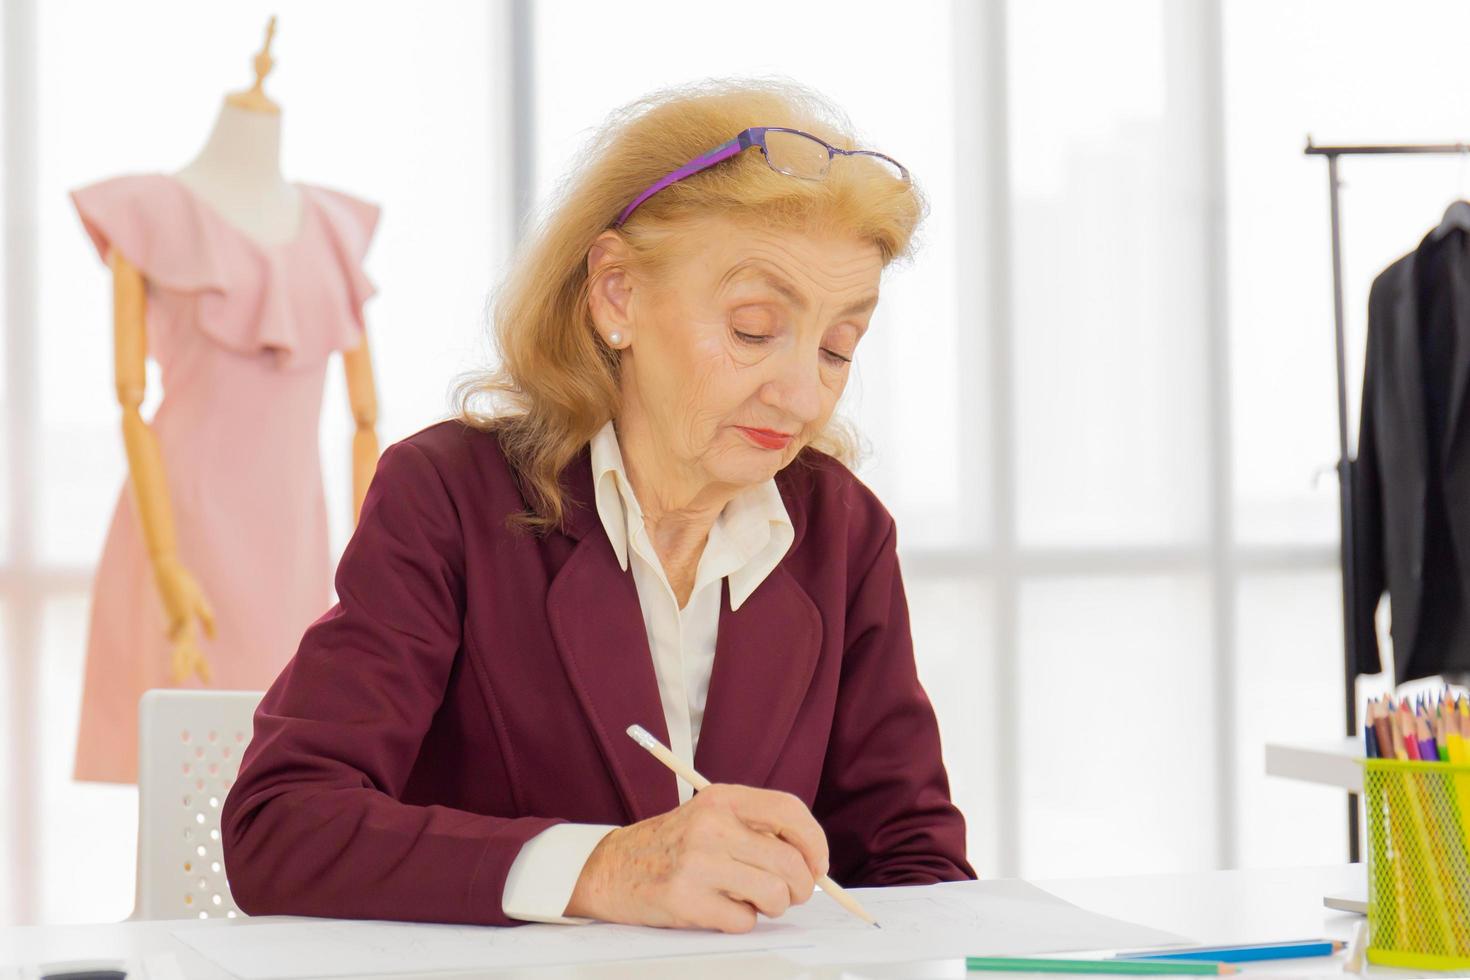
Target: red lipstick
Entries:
(766, 438)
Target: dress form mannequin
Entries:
(238, 174)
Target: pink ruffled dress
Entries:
(241, 333)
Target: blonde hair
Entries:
(557, 382)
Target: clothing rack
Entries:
(1344, 474)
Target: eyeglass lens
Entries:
(795, 154)
(802, 156)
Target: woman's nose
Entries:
(798, 390)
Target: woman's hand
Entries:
(184, 601)
(729, 852)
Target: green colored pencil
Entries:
(1124, 967)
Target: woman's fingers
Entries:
(781, 814)
(714, 910)
(776, 857)
(768, 893)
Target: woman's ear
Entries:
(610, 299)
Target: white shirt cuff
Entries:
(545, 872)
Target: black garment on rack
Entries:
(1411, 477)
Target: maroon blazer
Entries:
(472, 685)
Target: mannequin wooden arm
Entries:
(183, 600)
(145, 462)
(363, 395)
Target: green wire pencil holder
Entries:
(1418, 820)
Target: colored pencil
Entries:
(1381, 730)
(1005, 964)
(1406, 730)
(1428, 751)
(1246, 953)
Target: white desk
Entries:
(1330, 762)
(1211, 907)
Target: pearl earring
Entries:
(615, 338)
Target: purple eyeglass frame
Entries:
(754, 136)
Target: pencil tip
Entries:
(877, 926)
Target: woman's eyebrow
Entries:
(796, 299)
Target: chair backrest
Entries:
(189, 747)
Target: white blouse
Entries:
(747, 540)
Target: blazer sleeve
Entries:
(884, 795)
(1366, 517)
(315, 823)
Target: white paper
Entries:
(980, 918)
(335, 947)
(1005, 917)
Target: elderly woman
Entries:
(647, 534)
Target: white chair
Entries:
(189, 748)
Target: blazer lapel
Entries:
(597, 623)
(765, 658)
(1459, 269)
(1404, 341)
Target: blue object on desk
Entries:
(1249, 953)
